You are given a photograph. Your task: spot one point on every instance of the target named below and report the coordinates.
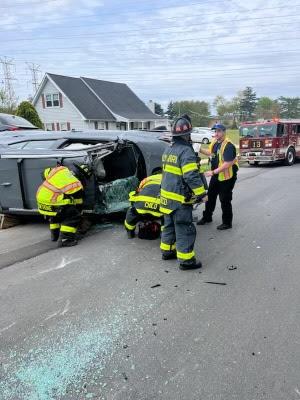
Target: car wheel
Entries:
(290, 157)
(205, 140)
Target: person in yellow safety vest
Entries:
(60, 197)
(144, 204)
(224, 167)
(181, 187)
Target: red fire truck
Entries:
(269, 141)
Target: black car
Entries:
(10, 122)
(118, 159)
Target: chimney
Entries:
(151, 105)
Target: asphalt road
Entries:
(88, 323)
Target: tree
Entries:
(247, 103)
(158, 109)
(171, 113)
(266, 108)
(27, 111)
(5, 104)
(289, 107)
(227, 110)
(197, 110)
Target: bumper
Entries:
(260, 157)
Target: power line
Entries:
(222, 56)
(113, 13)
(161, 49)
(143, 28)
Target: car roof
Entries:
(14, 120)
(137, 137)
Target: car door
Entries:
(10, 185)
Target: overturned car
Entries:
(119, 160)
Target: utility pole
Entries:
(7, 65)
(35, 70)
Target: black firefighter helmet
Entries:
(182, 126)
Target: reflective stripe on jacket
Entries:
(181, 178)
(51, 193)
(228, 172)
(146, 198)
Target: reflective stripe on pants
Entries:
(179, 228)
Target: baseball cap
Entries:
(219, 126)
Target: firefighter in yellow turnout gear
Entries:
(181, 187)
(144, 204)
(60, 197)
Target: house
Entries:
(67, 103)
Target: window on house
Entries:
(48, 127)
(63, 126)
(99, 125)
(55, 100)
(52, 100)
(48, 100)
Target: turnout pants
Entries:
(65, 223)
(224, 191)
(179, 234)
(133, 217)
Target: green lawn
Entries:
(232, 134)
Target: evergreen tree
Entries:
(27, 111)
(171, 112)
(158, 109)
(248, 103)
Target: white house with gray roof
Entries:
(66, 103)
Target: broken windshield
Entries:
(258, 130)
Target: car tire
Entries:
(205, 140)
(253, 163)
(290, 157)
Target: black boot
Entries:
(191, 265)
(204, 221)
(169, 255)
(68, 243)
(130, 234)
(54, 235)
(223, 227)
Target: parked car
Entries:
(202, 135)
(119, 160)
(10, 122)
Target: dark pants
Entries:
(133, 217)
(179, 233)
(224, 191)
(65, 223)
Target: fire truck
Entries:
(270, 141)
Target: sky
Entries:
(163, 49)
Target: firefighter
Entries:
(181, 187)
(224, 167)
(144, 205)
(61, 197)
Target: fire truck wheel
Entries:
(290, 157)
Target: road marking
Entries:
(297, 391)
(66, 308)
(7, 327)
(61, 265)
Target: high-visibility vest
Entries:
(228, 172)
(59, 182)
